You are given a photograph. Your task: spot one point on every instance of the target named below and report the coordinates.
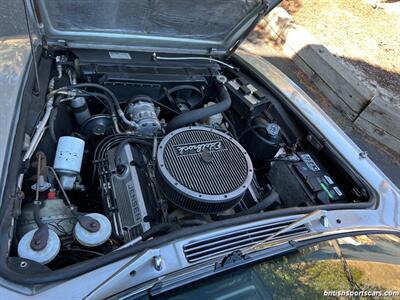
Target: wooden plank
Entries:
(384, 115)
(268, 52)
(329, 68)
(379, 134)
(296, 42)
(330, 93)
(335, 100)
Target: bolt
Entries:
(363, 154)
(157, 263)
(23, 264)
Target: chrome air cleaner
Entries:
(202, 169)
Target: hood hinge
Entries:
(60, 44)
(56, 44)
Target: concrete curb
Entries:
(344, 90)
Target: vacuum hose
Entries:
(204, 112)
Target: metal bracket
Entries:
(40, 238)
(230, 260)
(89, 223)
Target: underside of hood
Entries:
(175, 26)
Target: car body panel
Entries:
(14, 64)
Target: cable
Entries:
(251, 128)
(101, 98)
(155, 57)
(158, 103)
(128, 141)
(231, 127)
(84, 251)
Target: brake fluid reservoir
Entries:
(68, 159)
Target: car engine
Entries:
(124, 153)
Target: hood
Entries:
(212, 27)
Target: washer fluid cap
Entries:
(93, 239)
(43, 256)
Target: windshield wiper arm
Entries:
(237, 256)
(308, 218)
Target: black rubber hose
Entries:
(264, 204)
(103, 97)
(52, 119)
(52, 122)
(36, 217)
(192, 222)
(157, 229)
(204, 112)
(100, 87)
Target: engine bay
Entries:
(123, 152)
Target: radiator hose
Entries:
(204, 112)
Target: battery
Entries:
(304, 183)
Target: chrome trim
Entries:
(215, 246)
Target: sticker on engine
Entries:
(310, 162)
(119, 55)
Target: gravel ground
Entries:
(12, 22)
(367, 41)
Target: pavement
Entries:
(12, 22)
